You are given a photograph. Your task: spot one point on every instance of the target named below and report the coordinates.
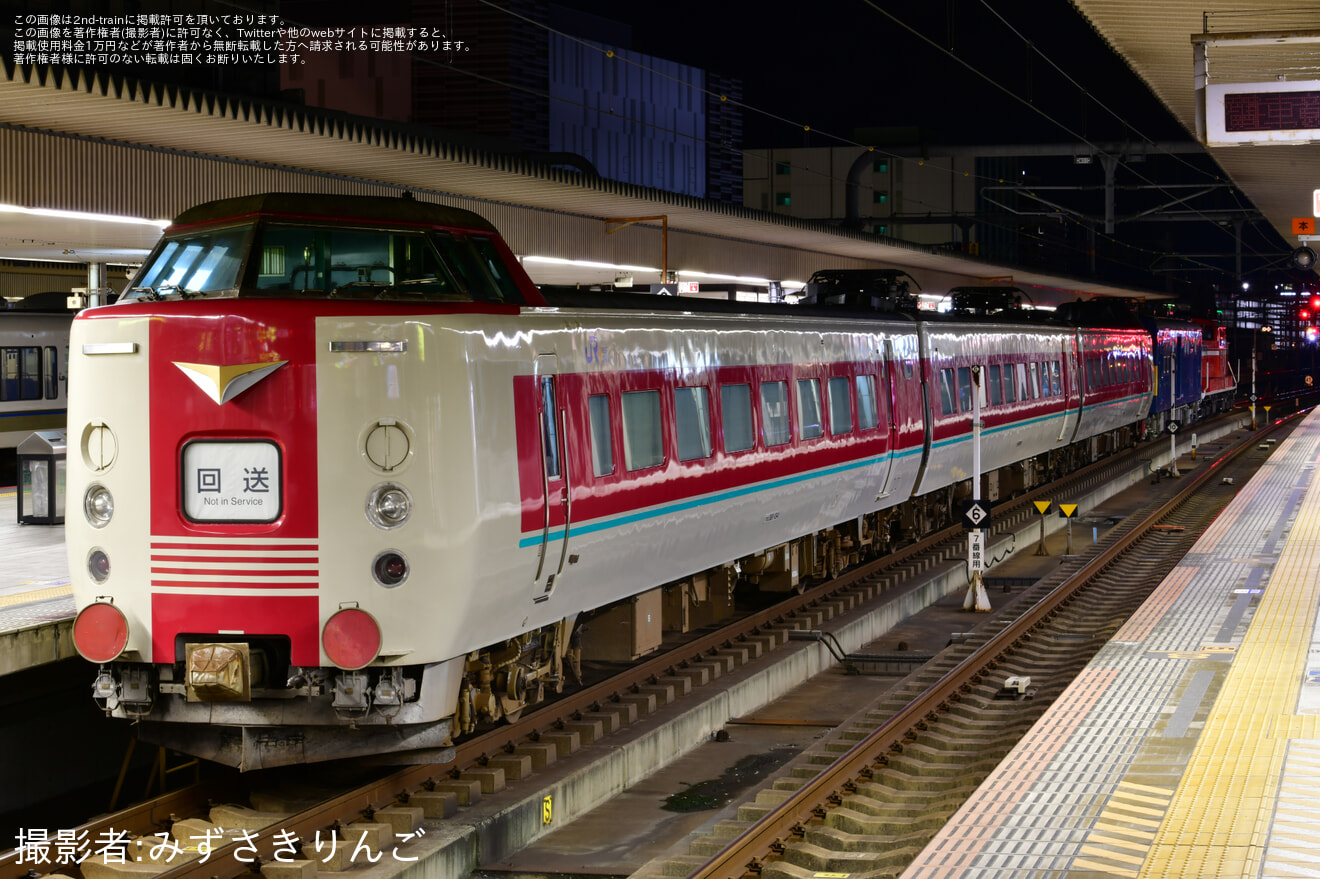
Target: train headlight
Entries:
(390, 568)
(98, 565)
(98, 505)
(388, 505)
(100, 632)
(351, 638)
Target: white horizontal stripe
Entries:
(246, 593)
(225, 541)
(236, 566)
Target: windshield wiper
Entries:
(148, 293)
(183, 292)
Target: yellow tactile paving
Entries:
(35, 595)
(1218, 822)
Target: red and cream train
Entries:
(348, 481)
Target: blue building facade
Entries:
(639, 119)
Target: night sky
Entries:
(844, 65)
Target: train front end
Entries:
(239, 548)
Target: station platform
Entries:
(1190, 745)
(36, 600)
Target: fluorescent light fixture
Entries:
(587, 264)
(624, 269)
(81, 215)
(743, 279)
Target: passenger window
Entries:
(809, 408)
(965, 388)
(692, 418)
(1045, 389)
(1056, 380)
(602, 440)
(867, 416)
(774, 413)
(1092, 374)
(8, 373)
(642, 440)
(1010, 394)
(1024, 389)
(946, 392)
(51, 374)
(1035, 381)
(840, 411)
(549, 427)
(907, 369)
(736, 415)
(992, 380)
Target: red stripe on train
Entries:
(227, 584)
(246, 559)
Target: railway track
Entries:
(508, 754)
(927, 746)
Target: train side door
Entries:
(551, 421)
(1072, 398)
(888, 366)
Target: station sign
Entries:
(976, 514)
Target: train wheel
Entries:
(512, 709)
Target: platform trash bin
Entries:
(41, 477)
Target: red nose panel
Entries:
(219, 615)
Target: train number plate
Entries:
(237, 481)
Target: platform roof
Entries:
(1156, 40)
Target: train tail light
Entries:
(100, 632)
(351, 638)
(390, 568)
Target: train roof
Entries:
(341, 208)
(649, 302)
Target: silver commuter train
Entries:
(34, 349)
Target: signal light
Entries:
(1305, 315)
(351, 638)
(1315, 303)
(100, 632)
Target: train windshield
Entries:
(336, 262)
(193, 264)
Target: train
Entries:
(34, 349)
(345, 483)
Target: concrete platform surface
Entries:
(36, 600)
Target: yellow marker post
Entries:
(547, 810)
(1042, 507)
(1067, 511)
